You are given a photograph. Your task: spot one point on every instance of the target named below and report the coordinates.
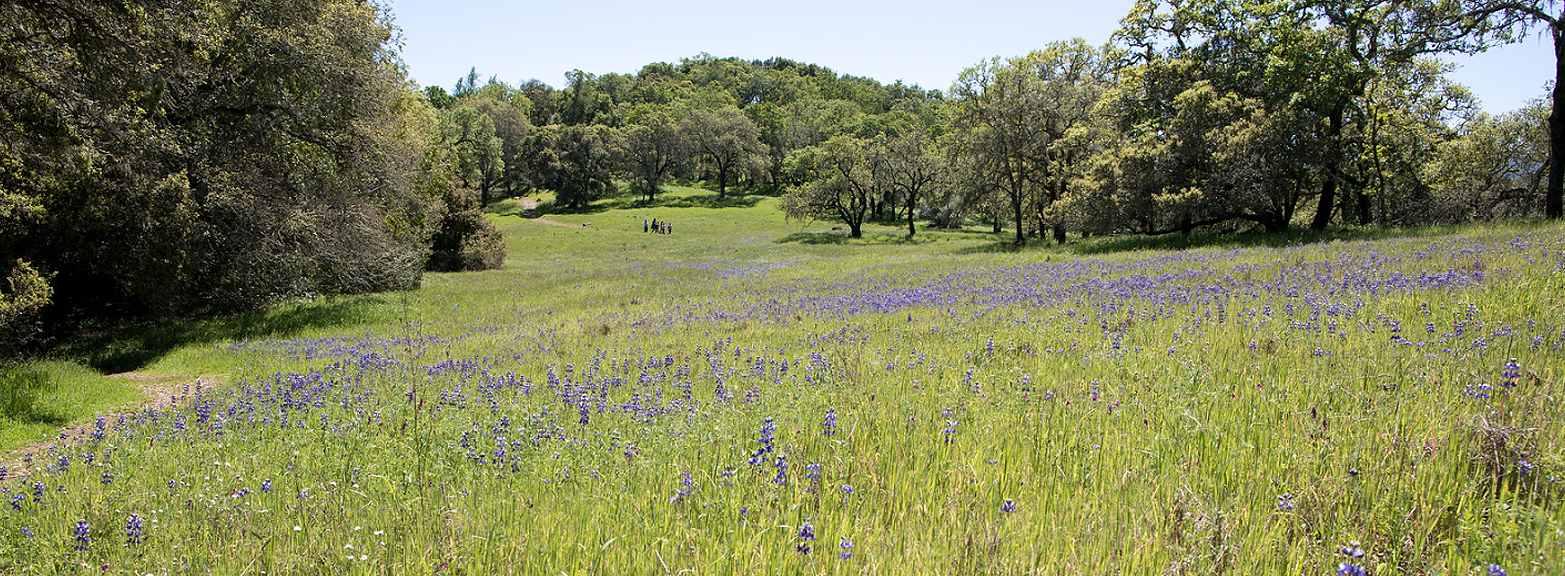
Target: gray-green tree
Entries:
(841, 178)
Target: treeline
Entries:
(721, 121)
(1200, 115)
(163, 158)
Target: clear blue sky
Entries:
(916, 41)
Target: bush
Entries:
(464, 240)
(22, 297)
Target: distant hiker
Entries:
(654, 223)
(670, 228)
(644, 227)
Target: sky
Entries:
(921, 42)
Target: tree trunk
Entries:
(1365, 216)
(910, 212)
(855, 229)
(1059, 233)
(1021, 226)
(722, 182)
(1328, 190)
(1555, 193)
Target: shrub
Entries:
(464, 240)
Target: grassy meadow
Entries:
(757, 395)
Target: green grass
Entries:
(41, 397)
(1139, 423)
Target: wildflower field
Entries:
(745, 396)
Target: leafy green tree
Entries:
(577, 162)
(1319, 56)
(463, 240)
(479, 154)
(1510, 20)
(507, 111)
(212, 154)
(581, 101)
(1014, 116)
(1495, 168)
(544, 109)
(911, 169)
(651, 149)
(725, 140)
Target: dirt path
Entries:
(162, 392)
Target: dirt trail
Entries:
(162, 392)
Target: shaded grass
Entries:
(1254, 239)
(136, 345)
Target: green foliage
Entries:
(1495, 168)
(158, 180)
(726, 141)
(464, 240)
(1015, 120)
(22, 298)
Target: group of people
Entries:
(657, 227)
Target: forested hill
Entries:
(162, 159)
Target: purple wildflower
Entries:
(133, 531)
(82, 535)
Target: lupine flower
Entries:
(1511, 374)
(847, 548)
(767, 430)
(828, 426)
(1525, 466)
(812, 473)
(133, 531)
(782, 470)
(266, 486)
(1354, 554)
(847, 489)
(681, 494)
(806, 533)
(949, 431)
(1008, 507)
(82, 535)
(1496, 570)
(1285, 502)
(27, 532)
